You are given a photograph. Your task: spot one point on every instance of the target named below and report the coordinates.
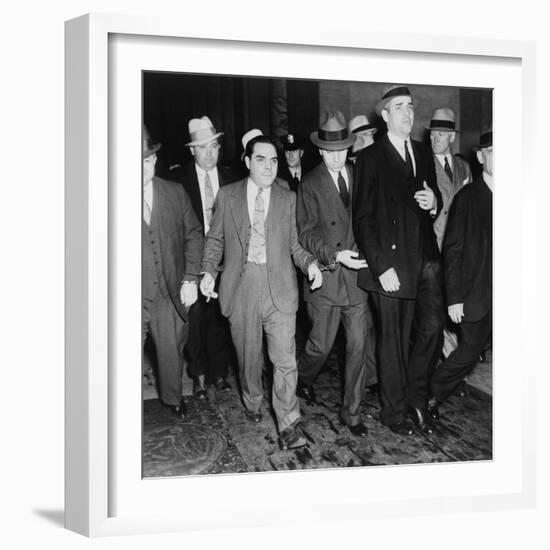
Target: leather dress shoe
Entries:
(358, 430)
(252, 416)
(199, 387)
(179, 410)
(401, 427)
(421, 419)
(291, 438)
(306, 392)
(222, 384)
(433, 408)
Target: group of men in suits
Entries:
(396, 232)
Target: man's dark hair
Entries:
(258, 139)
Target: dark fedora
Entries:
(291, 142)
(148, 147)
(485, 140)
(333, 133)
(443, 119)
(395, 90)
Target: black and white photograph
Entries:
(317, 274)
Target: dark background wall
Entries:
(276, 106)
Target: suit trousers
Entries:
(169, 333)
(409, 343)
(357, 323)
(253, 315)
(208, 345)
(473, 338)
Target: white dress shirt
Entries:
(148, 194)
(251, 192)
(201, 175)
(441, 159)
(334, 176)
(399, 144)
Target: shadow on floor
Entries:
(57, 517)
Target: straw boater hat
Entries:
(251, 134)
(333, 134)
(443, 119)
(291, 142)
(485, 140)
(201, 131)
(148, 147)
(395, 90)
(360, 123)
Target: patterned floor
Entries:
(217, 438)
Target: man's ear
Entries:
(247, 162)
(301, 153)
(452, 138)
(192, 150)
(385, 115)
(479, 157)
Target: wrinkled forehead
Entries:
(400, 100)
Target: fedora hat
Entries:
(485, 140)
(395, 90)
(201, 131)
(333, 134)
(251, 134)
(291, 142)
(360, 123)
(148, 147)
(443, 119)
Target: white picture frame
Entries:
(105, 55)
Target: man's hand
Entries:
(425, 198)
(207, 286)
(389, 280)
(188, 293)
(456, 312)
(347, 258)
(315, 276)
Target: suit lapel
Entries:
(397, 176)
(330, 191)
(275, 212)
(239, 210)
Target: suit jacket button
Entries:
(338, 244)
(332, 223)
(394, 221)
(393, 246)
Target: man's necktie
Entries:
(208, 198)
(408, 161)
(146, 212)
(448, 170)
(344, 194)
(295, 181)
(256, 246)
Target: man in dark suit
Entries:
(254, 230)
(209, 344)
(171, 255)
(397, 201)
(364, 132)
(292, 170)
(452, 174)
(468, 261)
(324, 228)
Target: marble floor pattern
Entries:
(216, 437)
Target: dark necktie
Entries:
(295, 182)
(344, 194)
(448, 170)
(408, 162)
